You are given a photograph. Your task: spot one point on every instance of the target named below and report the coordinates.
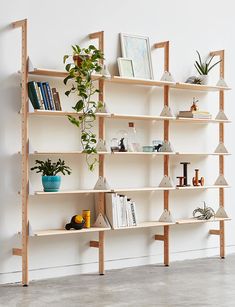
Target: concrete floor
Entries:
(202, 282)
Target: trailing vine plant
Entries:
(86, 62)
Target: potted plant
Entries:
(86, 62)
(203, 68)
(50, 180)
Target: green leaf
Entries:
(199, 58)
(65, 58)
(67, 67)
(67, 93)
(214, 65)
(67, 78)
(79, 106)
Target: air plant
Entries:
(203, 68)
(204, 213)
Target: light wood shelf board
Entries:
(200, 120)
(205, 187)
(55, 73)
(195, 221)
(142, 189)
(62, 113)
(199, 87)
(203, 153)
(66, 153)
(71, 192)
(136, 81)
(146, 225)
(53, 232)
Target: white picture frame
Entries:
(125, 67)
(137, 48)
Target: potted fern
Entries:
(50, 170)
(81, 70)
(203, 68)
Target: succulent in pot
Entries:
(203, 68)
(50, 179)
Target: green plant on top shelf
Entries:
(86, 62)
(203, 68)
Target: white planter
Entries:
(204, 79)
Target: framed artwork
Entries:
(137, 48)
(125, 67)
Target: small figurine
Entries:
(196, 181)
(194, 106)
(77, 222)
(185, 173)
(122, 147)
(205, 213)
(181, 181)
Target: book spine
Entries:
(39, 95)
(133, 212)
(46, 95)
(56, 98)
(43, 95)
(50, 96)
(33, 95)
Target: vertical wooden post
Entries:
(165, 45)
(25, 150)
(101, 196)
(220, 53)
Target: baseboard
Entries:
(86, 268)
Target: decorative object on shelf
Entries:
(77, 222)
(125, 67)
(50, 180)
(166, 111)
(204, 213)
(166, 217)
(101, 184)
(221, 213)
(122, 140)
(133, 144)
(220, 180)
(101, 221)
(185, 173)
(148, 148)
(122, 147)
(102, 108)
(100, 146)
(194, 80)
(181, 181)
(86, 214)
(221, 83)
(114, 145)
(204, 68)
(166, 182)
(221, 148)
(86, 63)
(157, 144)
(137, 48)
(196, 181)
(166, 147)
(167, 76)
(194, 106)
(105, 72)
(221, 115)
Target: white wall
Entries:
(53, 27)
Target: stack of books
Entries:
(43, 97)
(120, 211)
(195, 114)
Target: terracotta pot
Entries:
(78, 59)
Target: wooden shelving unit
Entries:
(101, 117)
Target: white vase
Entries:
(204, 79)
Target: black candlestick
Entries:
(185, 173)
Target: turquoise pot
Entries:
(51, 183)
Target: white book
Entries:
(119, 215)
(123, 211)
(133, 213)
(129, 214)
(110, 209)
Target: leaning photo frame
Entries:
(137, 48)
(125, 67)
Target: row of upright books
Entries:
(120, 211)
(43, 97)
(195, 114)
